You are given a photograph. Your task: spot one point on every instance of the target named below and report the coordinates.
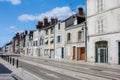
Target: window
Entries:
(36, 43)
(52, 30)
(51, 40)
(46, 31)
(100, 25)
(46, 41)
(41, 41)
(58, 26)
(79, 35)
(58, 39)
(33, 43)
(68, 37)
(99, 5)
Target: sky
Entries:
(20, 15)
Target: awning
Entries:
(46, 40)
(51, 39)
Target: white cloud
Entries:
(13, 2)
(59, 12)
(27, 17)
(14, 29)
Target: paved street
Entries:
(54, 69)
(44, 73)
(43, 68)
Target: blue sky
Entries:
(20, 15)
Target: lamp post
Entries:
(85, 41)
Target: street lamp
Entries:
(85, 41)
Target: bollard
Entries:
(17, 63)
(7, 58)
(10, 60)
(13, 61)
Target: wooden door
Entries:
(74, 52)
(82, 55)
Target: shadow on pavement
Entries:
(4, 70)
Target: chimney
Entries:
(80, 11)
(26, 32)
(56, 20)
(45, 21)
(52, 21)
(17, 35)
(40, 23)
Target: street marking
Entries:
(52, 75)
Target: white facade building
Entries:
(60, 40)
(41, 42)
(103, 22)
(75, 42)
(36, 39)
(29, 44)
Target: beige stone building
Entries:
(48, 46)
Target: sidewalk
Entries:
(10, 72)
(79, 62)
(6, 73)
(76, 62)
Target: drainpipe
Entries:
(86, 33)
(85, 41)
(54, 40)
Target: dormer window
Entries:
(58, 26)
(75, 22)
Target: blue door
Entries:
(52, 53)
(62, 52)
(119, 53)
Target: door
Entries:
(78, 53)
(38, 51)
(119, 53)
(62, 52)
(59, 52)
(52, 53)
(74, 52)
(102, 55)
(82, 55)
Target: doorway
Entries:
(102, 55)
(51, 53)
(74, 52)
(119, 53)
(78, 53)
(102, 52)
(82, 54)
(62, 52)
